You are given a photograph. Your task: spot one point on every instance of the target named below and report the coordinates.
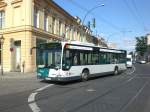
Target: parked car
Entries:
(142, 62)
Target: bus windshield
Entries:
(49, 57)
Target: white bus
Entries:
(66, 61)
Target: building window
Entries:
(16, 16)
(71, 35)
(53, 25)
(2, 19)
(60, 25)
(78, 38)
(75, 35)
(36, 18)
(46, 22)
(67, 31)
(0, 53)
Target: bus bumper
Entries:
(61, 79)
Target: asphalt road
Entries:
(127, 92)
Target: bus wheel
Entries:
(85, 75)
(116, 71)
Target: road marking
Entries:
(42, 88)
(31, 99)
(136, 95)
(130, 79)
(34, 107)
(134, 69)
(91, 90)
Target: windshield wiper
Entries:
(52, 66)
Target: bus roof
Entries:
(84, 44)
(90, 45)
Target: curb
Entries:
(17, 76)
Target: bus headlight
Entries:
(68, 73)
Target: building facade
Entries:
(112, 45)
(26, 23)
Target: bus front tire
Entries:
(85, 75)
(116, 71)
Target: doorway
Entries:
(17, 56)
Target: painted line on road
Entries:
(134, 69)
(130, 79)
(31, 99)
(134, 97)
(42, 88)
(34, 107)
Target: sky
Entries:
(118, 21)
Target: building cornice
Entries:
(3, 4)
(54, 6)
(16, 1)
(30, 29)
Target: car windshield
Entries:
(128, 59)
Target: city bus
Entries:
(67, 61)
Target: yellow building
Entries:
(26, 23)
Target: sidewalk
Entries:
(16, 82)
(17, 75)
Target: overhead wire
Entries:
(135, 17)
(139, 14)
(100, 18)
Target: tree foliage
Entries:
(141, 45)
(131, 53)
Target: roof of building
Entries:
(59, 7)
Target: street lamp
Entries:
(1, 42)
(89, 11)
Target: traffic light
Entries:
(94, 23)
(89, 24)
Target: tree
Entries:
(141, 45)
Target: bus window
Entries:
(122, 58)
(95, 58)
(82, 59)
(86, 58)
(103, 58)
(108, 58)
(89, 58)
(66, 64)
(113, 58)
(75, 59)
(50, 58)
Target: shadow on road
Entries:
(77, 81)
